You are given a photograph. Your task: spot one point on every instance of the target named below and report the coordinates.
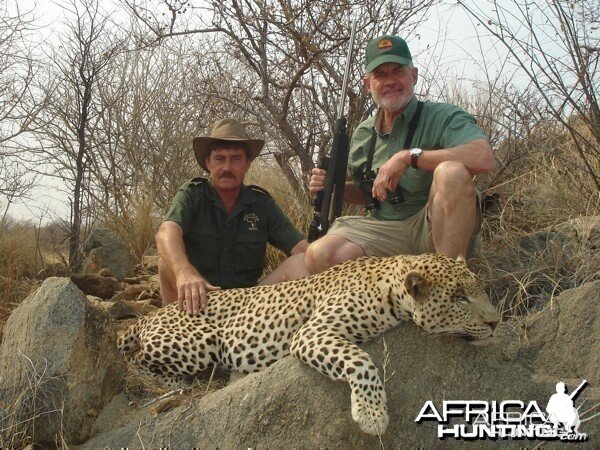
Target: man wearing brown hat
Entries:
(216, 231)
(412, 166)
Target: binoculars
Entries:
(366, 186)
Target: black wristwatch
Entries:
(414, 155)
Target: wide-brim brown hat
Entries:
(225, 130)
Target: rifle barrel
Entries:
(577, 389)
(347, 71)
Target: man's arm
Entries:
(477, 156)
(191, 286)
(300, 247)
(352, 193)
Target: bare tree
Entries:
(279, 63)
(18, 105)
(85, 50)
(556, 44)
(146, 117)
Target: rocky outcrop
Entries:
(564, 338)
(105, 249)
(292, 406)
(59, 366)
(96, 285)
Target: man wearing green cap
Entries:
(215, 233)
(412, 164)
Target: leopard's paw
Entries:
(370, 413)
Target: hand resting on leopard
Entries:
(320, 320)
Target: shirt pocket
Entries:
(250, 251)
(203, 248)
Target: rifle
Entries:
(328, 202)
(577, 390)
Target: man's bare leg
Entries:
(168, 289)
(451, 209)
(330, 250)
(290, 269)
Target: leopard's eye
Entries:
(460, 298)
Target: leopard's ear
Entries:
(416, 285)
(461, 259)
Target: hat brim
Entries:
(202, 143)
(387, 59)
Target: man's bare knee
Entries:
(452, 178)
(329, 251)
(318, 256)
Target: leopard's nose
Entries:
(492, 324)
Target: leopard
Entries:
(321, 319)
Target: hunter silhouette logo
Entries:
(510, 419)
(252, 220)
(561, 409)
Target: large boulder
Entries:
(59, 366)
(290, 405)
(105, 249)
(564, 338)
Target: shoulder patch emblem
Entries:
(252, 220)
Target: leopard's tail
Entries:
(128, 342)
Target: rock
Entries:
(58, 364)
(125, 309)
(105, 272)
(577, 237)
(150, 263)
(564, 338)
(96, 285)
(111, 415)
(580, 232)
(140, 291)
(52, 270)
(97, 302)
(105, 249)
(542, 241)
(290, 405)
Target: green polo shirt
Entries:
(229, 249)
(440, 126)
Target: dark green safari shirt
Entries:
(440, 126)
(229, 250)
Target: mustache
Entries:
(226, 175)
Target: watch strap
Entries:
(413, 159)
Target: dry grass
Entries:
(544, 238)
(39, 401)
(136, 225)
(19, 263)
(149, 393)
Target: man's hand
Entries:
(317, 181)
(191, 291)
(388, 175)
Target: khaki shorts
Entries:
(396, 237)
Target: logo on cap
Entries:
(384, 44)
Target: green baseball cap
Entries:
(387, 49)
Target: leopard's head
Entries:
(447, 298)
